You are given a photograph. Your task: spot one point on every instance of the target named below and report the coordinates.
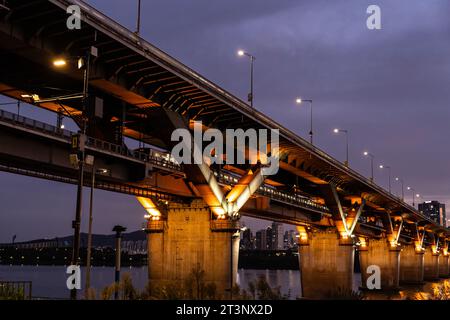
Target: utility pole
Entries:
(89, 245)
(118, 230)
(78, 142)
(138, 24)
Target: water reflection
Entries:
(50, 281)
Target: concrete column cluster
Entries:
(193, 239)
(326, 264)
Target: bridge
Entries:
(138, 92)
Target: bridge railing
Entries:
(287, 197)
(32, 124)
(157, 159)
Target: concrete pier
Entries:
(411, 265)
(380, 253)
(326, 265)
(444, 271)
(431, 265)
(189, 240)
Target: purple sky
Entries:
(389, 88)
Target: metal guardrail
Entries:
(16, 290)
(272, 193)
(158, 159)
(34, 125)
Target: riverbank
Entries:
(248, 259)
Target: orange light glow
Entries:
(303, 235)
(363, 242)
(434, 249)
(59, 63)
(150, 207)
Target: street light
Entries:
(403, 192)
(413, 194)
(138, 22)
(83, 63)
(337, 131)
(366, 153)
(300, 101)
(91, 206)
(389, 169)
(59, 63)
(242, 53)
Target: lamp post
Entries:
(89, 245)
(403, 190)
(300, 101)
(252, 61)
(389, 171)
(413, 194)
(346, 138)
(83, 63)
(138, 23)
(418, 196)
(372, 157)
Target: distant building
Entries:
(247, 241)
(269, 238)
(435, 211)
(290, 239)
(134, 246)
(261, 240)
(277, 236)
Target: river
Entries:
(50, 281)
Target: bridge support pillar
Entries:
(191, 246)
(411, 265)
(444, 271)
(326, 265)
(431, 265)
(381, 254)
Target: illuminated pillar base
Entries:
(326, 266)
(380, 253)
(444, 271)
(191, 241)
(431, 265)
(411, 265)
